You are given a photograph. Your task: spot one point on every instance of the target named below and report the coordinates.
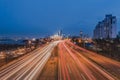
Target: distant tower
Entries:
(81, 34)
(60, 33)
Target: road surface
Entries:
(29, 66)
(76, 63)
(73, 63)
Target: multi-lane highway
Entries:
(76, 63)
(29, 66)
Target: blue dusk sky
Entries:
(46, 17)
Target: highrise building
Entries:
(106, 28)
(60, 32)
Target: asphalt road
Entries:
(29, 66)
(76, 63)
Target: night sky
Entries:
(46, 17)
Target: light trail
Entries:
(108, 65)
(78, 66)
(26, 68)
(74, 63)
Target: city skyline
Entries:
(41, 18)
